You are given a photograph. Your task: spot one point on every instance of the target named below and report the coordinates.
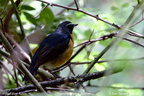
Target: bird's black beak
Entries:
(75, 25)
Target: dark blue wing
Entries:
(50, 48)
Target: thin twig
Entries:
(122, 33)
(60, 12)
(7, 70)
(18, 18)
(76, 4)
(137, 22)
(13, 54)
(68, 62)
(140, 44)
(130, 32)
(91, 35)
(88, 42)
(15, 74)
(104, 37)
(40, 11)
(21, 27)
(102, 61)
(75, 9)
(4, 53)
(8, 16)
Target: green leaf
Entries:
(106, 42)
(125, 44)
(46, 16)
(30, 18)
(27, 7)
(114, 8)
(125, 5)
(2, 2)
(79, 15)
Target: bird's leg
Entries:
(54, 74)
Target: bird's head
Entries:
(67, 26)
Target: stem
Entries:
(24, 69)
(18, 18)
(21, 26)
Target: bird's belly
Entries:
(60, 60)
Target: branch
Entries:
(121, 33)
(16, 58)
(8, 16)
(88, 42)
(142, 45)
(68, 62)
(18, 18)
(60, 12)
(137, 22)
(8, 71)
(40, 11)
(4, 53)
(130, 32)
(79, 10)
(104, 37)
(21, 26)
(60, 81)
(102, 61)
(76, 4)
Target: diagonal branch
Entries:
(76, 4)
(8, 16)
(13, 54)
(119, 36)
(60, 81)
(130, 32)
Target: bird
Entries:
(55, 50)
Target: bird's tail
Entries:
(32, 71)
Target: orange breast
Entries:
(62, 59)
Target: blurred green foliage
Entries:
(36, 20)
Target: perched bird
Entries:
(55, 50)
